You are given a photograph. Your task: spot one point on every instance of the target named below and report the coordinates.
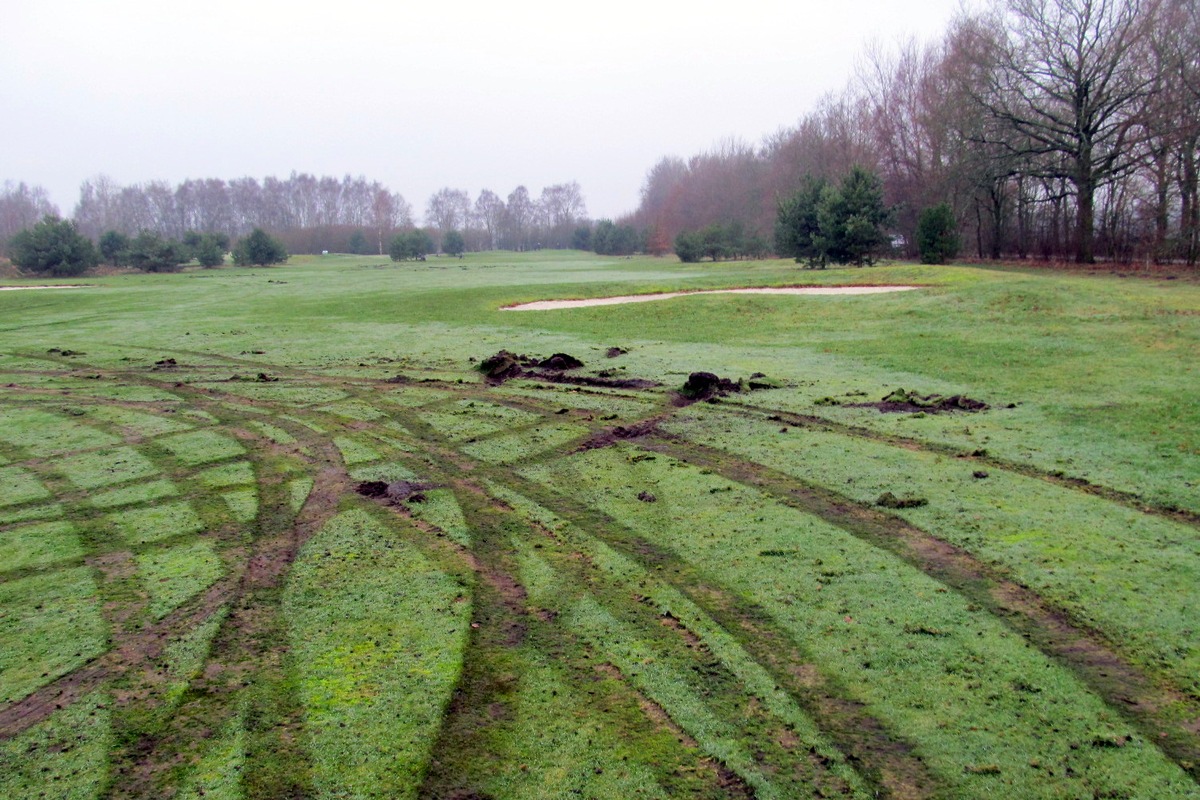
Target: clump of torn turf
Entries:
(902, 401)
(506, 365)
(500, 367)
(706, 386)
(889, 500)
(560, 362)
(759, 381)
(396, 491)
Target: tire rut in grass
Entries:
(765, 750)
(1153, 704)
(245, 672)
(507, 640)
(884, 759)
(1124, 498)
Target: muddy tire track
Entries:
(883, 758)
(1152, 703)
(1127, 499)
(246, 670)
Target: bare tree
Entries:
(1068, 78)
(489, 212)
(21, 207)
(388, 212)
(518, 216)
(448, 209)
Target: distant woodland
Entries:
(1048, 129)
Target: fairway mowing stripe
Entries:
(881, 756)
(1153, 707)
(1118, 496)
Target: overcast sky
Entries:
(417, 95)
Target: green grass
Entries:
(186, 655)
(39, 545)
(705, 639)
(355, 452)
(440, 509)
(175, 574)
(272, 432)
(1107, 564)
(154, 523)
(507, 448)
(146, 492)
(9, 517)
(138, 423)
(41, 433)
(201, 447)
(240, 473)
(105, 467)
(218, 775)
(243, 504)
(864, 616)
(377, 633)
(49, 625)
(65, 757)
(20, 486)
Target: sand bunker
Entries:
(55, 286)
(547, 305)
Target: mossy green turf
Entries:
(376, 630)
(131, 489)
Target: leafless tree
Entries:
(448, 209)
(1068, 77)
(21, 206)
(489, 214)
(518, 216)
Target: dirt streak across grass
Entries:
(633, 638)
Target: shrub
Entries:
(259, 248)
(937, 234)
(53, 247)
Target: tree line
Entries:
(1049, 128)
(309, 214)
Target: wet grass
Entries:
(599, 591)
(377, 634)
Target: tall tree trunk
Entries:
(1189, 216)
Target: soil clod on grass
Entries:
(705, 386)
(758, 381)
(560, 362)
(506, 365)
(647, 497)
(65, 353)
(613, 352)
(901, 401)
(500, 367)
(396, 491)
(889, 500)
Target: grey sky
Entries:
(417, 95)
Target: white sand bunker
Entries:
(547, 305)
(53, 286)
